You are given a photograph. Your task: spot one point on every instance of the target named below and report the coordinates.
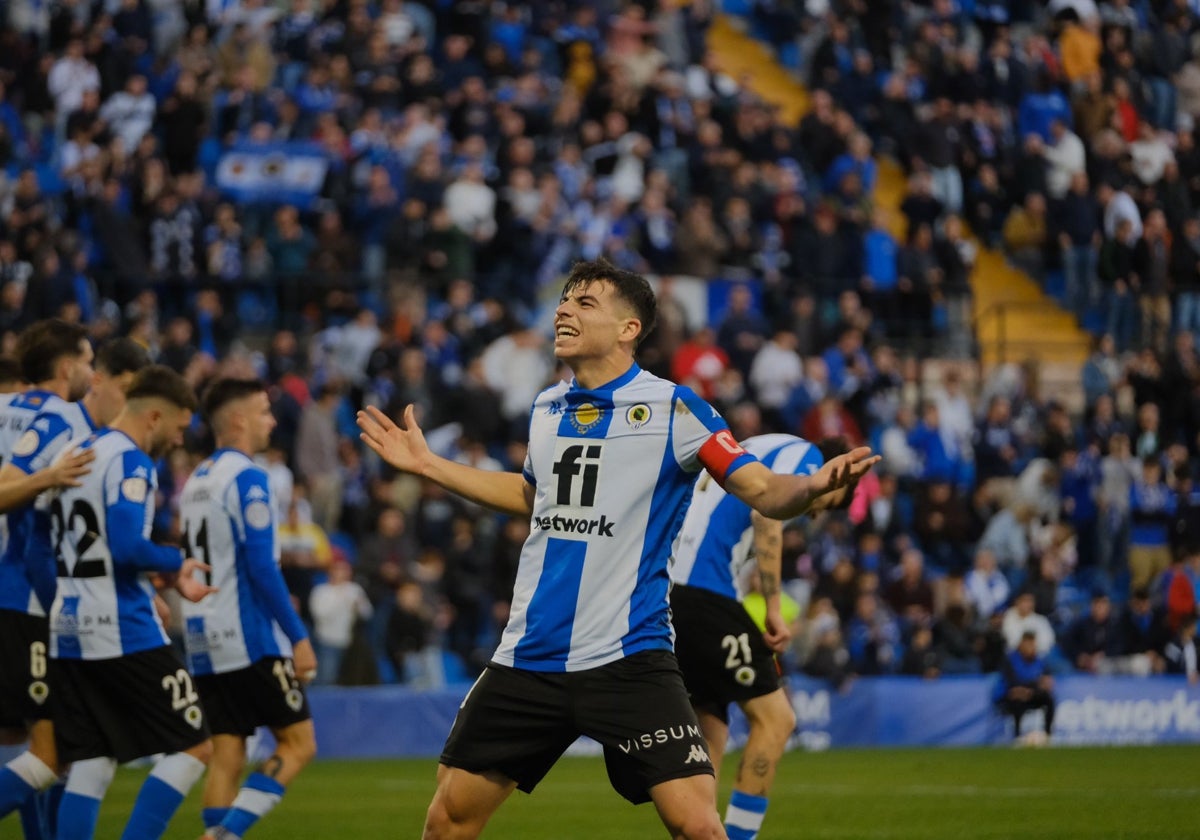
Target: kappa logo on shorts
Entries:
(697, 755)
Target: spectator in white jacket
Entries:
(1066, 158)
(130, 112)
(1020, 618)
(69, 77)
(987, 587)
(336, 606)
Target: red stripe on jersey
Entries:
(719, 452)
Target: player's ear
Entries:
(631, 328)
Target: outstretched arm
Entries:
(768, 545)
(403, 446)
(18, 488)
(787, 496)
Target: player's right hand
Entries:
(777, 634)
(403, 446)
(190, 586)
(72, 466)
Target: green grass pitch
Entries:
(1000, 794)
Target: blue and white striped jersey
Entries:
(30, 422)
(100, 532)
(717, 538)
(228, 523)
(44, 439)
(613, 470)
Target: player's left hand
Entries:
(777, 634)
(189, 586)
(845, 470)
(304, 661)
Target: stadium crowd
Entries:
(474, 150)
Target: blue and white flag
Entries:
(275, 173)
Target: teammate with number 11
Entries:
(243, 639)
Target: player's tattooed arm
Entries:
(769, 581)
(768, 549)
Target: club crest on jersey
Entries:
(585, 416)
(27, 444)
(638, 415)
(135, 489)
(258, 515)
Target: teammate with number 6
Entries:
(120, 692)
(242, 640)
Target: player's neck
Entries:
(92, 407)
(134, 427)
(58, 387)
(593, 373)
(238, 444)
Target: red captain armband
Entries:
(719, 453)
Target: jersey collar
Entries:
(620, 381)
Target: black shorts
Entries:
(125, 708)
(266, 693)
(23, 686)
(721, 651)
(520, 722)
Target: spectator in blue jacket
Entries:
(940, 456)
(1151, 504)
(1041, 107)
(1026, 684)
(872, 637)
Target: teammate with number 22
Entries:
(243, 639)
(120, 692)
(612, 458)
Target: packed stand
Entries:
(469, 153)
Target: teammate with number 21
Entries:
(587, 650)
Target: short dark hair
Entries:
(224, 391)
(160, 382)
(121, 355)
(630, 287)
(10, 370)
(44, 344)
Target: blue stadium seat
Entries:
(50, 182)
(454, 669)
